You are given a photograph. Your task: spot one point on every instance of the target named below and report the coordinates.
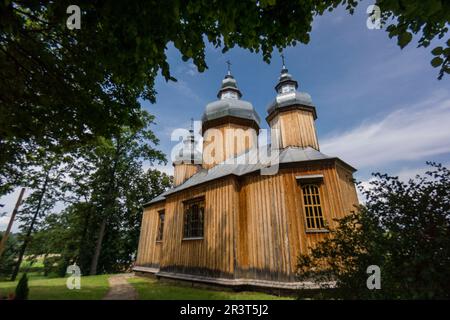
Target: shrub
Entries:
(22, 288)
(403, 228)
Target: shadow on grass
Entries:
(151, 289)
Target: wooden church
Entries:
(226, 223)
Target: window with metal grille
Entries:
(160, 225)
(313, 208)
(193, 218)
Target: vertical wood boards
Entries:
(183, 171)
(228, 140)
(296, 129)
(254, 226)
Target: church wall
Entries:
(263, 230)
(214, 254)
(232, 139)
(296, 129)
(254, 226)
(149, 249)
(347, 188)
(272, 231)
(183, 171)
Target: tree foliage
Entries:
(71, 234)
(107, 186)
(62, 88)
(428, 19)
(46, 179)
(77, 92)
(7, 260)
(22, 289)
(404, 228)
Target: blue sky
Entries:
(379, 108)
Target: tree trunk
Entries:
(30, 229)
(110, 199)
(98, 248)
(82, 246)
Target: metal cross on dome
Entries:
(282, 59)
(192, 125)
(228, 66)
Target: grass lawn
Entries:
(151, 289)
(41, 288)
(95, 288)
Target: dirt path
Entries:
(120, 288)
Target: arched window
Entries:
(193, 219)
(313, 208)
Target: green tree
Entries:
(71, 234)
(63, 88)
(22, 289)
(404, 228)
(107, 186)
(64, 238)
(45, 179)
(7, 261)
(123, 233)
(117, 160)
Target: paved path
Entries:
(120, 288)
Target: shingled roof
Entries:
(244, 164)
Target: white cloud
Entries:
(188, 69)
(417, 132)
(183, 88)
(9, 201)
(366, 186)
(404, 174)
(4, 222)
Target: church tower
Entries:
(230, 126)
(187, 161)
(291, 115)
(233, 225)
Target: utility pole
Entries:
(11, 221)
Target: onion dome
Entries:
(287, 94)
(229, 88)
(188, 154)
(229, 105)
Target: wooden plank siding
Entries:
(254, 226)
(295, 129)
(272, 231)
(149, 249)
(347, 188)
(183, 171)
(227, 141)
(214, 254)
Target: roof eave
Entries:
(151, 203)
